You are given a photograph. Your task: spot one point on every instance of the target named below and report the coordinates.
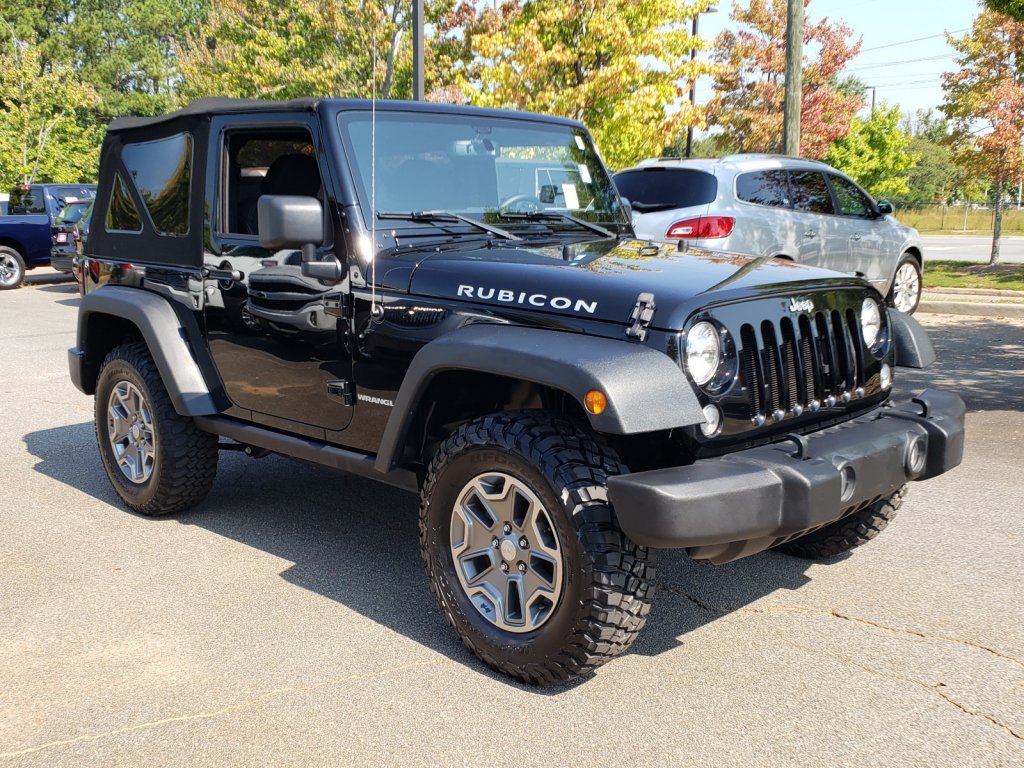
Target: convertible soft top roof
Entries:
(217, 105)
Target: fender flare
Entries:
(913, 348)
(165, 337)
(647, 391)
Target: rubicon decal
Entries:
(526, 299)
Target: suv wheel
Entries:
(523, 551)
(157, 460)
(12, 268)
(848, 533)
(905, 293)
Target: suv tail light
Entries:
(60, 237)
(701, 227)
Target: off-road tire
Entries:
(608, 581)
(12, 257)
(186, 460)
(848, 533)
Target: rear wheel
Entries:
(523, 551)
(848, 533)
(12, 268)
(905, 293)
(157, 460)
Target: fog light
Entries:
(595, 401)
(917, 455)
(712, 421)
(885, 376)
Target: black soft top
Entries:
(215, 105)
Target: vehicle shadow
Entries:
(50, 278)
(981, 359)
(355, 541)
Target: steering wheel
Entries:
(521, 204)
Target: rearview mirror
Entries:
(884, 207)
(289, 221)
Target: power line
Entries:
(897, 63)
(915, 40)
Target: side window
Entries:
(810, 192)
(769, 188)
(852, 200)
(280, 162)
(162, 173)
(122, 215)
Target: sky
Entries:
(904, 68)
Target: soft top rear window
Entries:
(656, 187)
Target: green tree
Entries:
(749, 89)
(875, 153)
(984, 101)
(1012, 8)
(621, 66)
(48, 131)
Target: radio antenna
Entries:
(376, 311)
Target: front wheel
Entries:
(12, 268)
(848, 533)
(157, 460)
(905, 293)
(523, 551)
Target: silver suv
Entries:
(772, 205)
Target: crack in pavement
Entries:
(272, 694)
(772, 608)
(933, 687)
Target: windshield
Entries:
(73, 213)
(480, 167)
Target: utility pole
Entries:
(417, 50)
(693, 91)
(794, 64)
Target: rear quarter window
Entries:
(667, 187)
(161, 171)
(769, 188)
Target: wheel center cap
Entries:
(508, 550)
(136, 431)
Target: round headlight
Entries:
(703, 352)
(870, 321)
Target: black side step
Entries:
(317, 452)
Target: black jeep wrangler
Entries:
(451, 300)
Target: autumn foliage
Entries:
(749, 91)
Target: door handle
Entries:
(856, 236)
(811, 233)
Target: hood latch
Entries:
(641, 317)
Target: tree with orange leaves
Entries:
(749, 89)
(984, 101)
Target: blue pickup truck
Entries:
(25, 230)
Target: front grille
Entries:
(801, 363)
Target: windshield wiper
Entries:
(556, 216)
(653, 206)
(438, 216)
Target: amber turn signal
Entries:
(595, 401)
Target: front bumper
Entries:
(725, 508)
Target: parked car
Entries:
(69, 229)
(785, 207)
(25, 236)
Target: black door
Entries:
(277, 337)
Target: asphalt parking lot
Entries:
(287, 620)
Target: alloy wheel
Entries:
(10, 270)
(906, 288)
(506, 552)
(130, 431)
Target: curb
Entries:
(996, 292)
(977, 308)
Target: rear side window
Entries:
(810, 192)
(769, 188)
(162, 173)
(663, 188)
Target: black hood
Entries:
(602, 281)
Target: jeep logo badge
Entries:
(801, 305)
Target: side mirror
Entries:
(884, 207)
(289, 221)
(548, 193)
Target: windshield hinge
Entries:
(641, 317)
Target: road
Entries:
(961, 248)
(287, 621)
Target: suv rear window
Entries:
(769, 188)
(654, 188)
